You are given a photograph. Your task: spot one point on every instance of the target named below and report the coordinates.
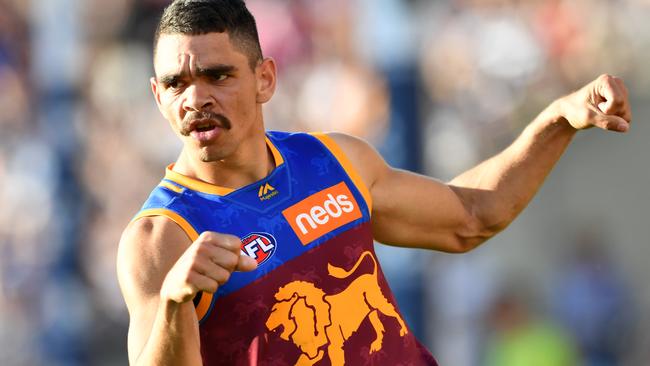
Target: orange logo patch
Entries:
(322, 212)
(319, 324)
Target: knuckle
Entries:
(204, 251)
(231, 262)
(212, 287)
(207, 236)
(233, 241)
(620, 83)
(230, 243)
(227, 262)
(605, 77)
(223, 276)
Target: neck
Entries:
(242, 168)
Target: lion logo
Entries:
(319, 323)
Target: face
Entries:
(206, 89)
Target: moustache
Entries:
(218, 119)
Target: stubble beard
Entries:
(205, 155)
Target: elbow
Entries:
(474, 232)
(462, 244)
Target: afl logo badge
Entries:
(259, 246)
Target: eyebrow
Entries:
(169, 79)
(212, 72)
(215, 71)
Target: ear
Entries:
(265, 73)
(155, 89)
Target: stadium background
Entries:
(437, 86)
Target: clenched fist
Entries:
(602, 103)
(206, 264)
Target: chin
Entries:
(207, 156)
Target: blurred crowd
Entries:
(436, 86)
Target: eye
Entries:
(221, 77)
(175, 85)
(172, 83)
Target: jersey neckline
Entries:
(205, 187)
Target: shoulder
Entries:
(363, 156)
(148, 248)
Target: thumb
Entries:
(246, 263)
(611, 123)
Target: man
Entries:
(256, 248)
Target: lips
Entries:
(204, 130)
(204, 126)
(200, 125)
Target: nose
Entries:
(197, 98)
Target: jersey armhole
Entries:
(338, 153)
(205, 301)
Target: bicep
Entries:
(141, 268)
(409, 209)
(417, 211)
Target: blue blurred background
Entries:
(437, 86)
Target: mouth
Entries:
(204, 130)
(202, 125)
(205, 126)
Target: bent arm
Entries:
(161, 332)
(498, 189)
(416, 211)
(409, 209)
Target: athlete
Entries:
(256, 247)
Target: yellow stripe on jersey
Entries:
(171, 186)
(277, 157)
(195, 184)
(335, 149)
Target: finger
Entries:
(219, 256)
(200, 282)
(611, 123)
(214, 272)
(246, 263)
(614, 97)
(621, 86)
(229, 242)
(626, 112)
(621, 109)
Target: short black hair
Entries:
(196, 17)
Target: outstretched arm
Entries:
(417, 211)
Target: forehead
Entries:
(176, 50)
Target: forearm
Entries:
(174, 337)
(498, 189)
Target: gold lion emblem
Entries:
(312, 319)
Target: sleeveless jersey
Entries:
(318, 296)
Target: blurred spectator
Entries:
(445, 83)
(593, 302)
(460, 291)
(519, 337)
